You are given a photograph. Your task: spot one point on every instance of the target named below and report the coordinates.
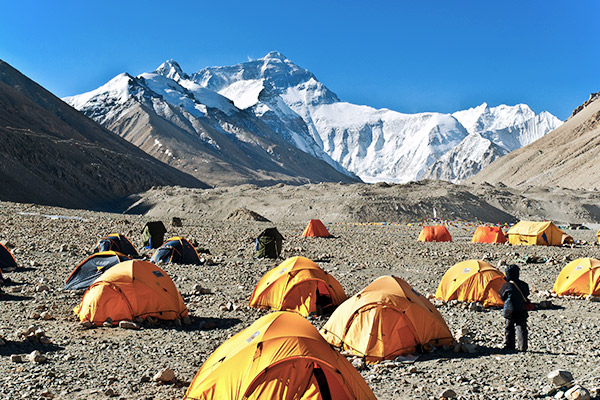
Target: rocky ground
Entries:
(112, 362)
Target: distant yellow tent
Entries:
(297, 284)
(537, 233)
(580, 277)
(470, 281)
(598, 236)
(280, 356)
(386, 319)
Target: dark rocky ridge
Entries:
(52, 154)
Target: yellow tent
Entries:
(280, 356)
(297, 284)
(579, 277)
(537, 233)
(129, 290)
(386, 319)
(598, 236)
(472, 280)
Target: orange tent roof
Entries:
(386, 319)
(297, 284)
(280, 356)
(129, 290)
(437, 233)
(316, 228)
(580, 277)
(472, 280)
(489, 234)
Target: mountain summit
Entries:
(272, 96)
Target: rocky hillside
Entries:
(566, 157)
(52, 154)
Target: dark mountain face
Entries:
(52, 154)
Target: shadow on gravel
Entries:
(26, 347)
(198, 324)
(10, 282)
(12, 297)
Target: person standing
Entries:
(514, 292)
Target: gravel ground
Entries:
(103, 362)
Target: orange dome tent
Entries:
(280, 356)
(472, 280)
(386, 319)
(489, 234)
(580, 277)
(297, 284)
(129, 290)
(316, 228)
(437, 233)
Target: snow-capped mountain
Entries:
(493, 132)
(199, 131)
(274, 95)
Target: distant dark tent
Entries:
(7, 260)
(176, 250)
(153, 234)
(91, 268)
(116, 242)
(269, 243)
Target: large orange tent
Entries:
(386, 319)
(297, 284)
(437, 233)
(315, 228)
(488, 234)
(281, 356)
(472, 280)
(129, 290)
(537, 233)
(580, 277)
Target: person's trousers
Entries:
(520, 328)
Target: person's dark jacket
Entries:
(514, 303)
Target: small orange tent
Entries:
(437, 233)
(280, 356)
(297, 284)
(489, 234)
(386, 319)
(129, 290)
(580, 277)
(472, 280)
(315, 228)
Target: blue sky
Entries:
(409, 56)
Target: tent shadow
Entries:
(482, 351)
(12, 297)
(26, 347)
(197, 324)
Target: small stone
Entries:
(412, 369)
(86, 324)
(197, 289)
(560, 377)
(145, 379)
(577, 392)
(46, 316)
(359, 364)
(2, 342)
(34, 315)
(44, 340)
(16, 358)
(110, 392)
(15, 289)
(165, 375)
(47, 394)
(186, 320)
(177, 322)
(42, 288)
(128, 325)
(447, 394)
(36, 357)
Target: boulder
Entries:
(165, 375)
(560, 377)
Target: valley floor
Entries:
(50, 242)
